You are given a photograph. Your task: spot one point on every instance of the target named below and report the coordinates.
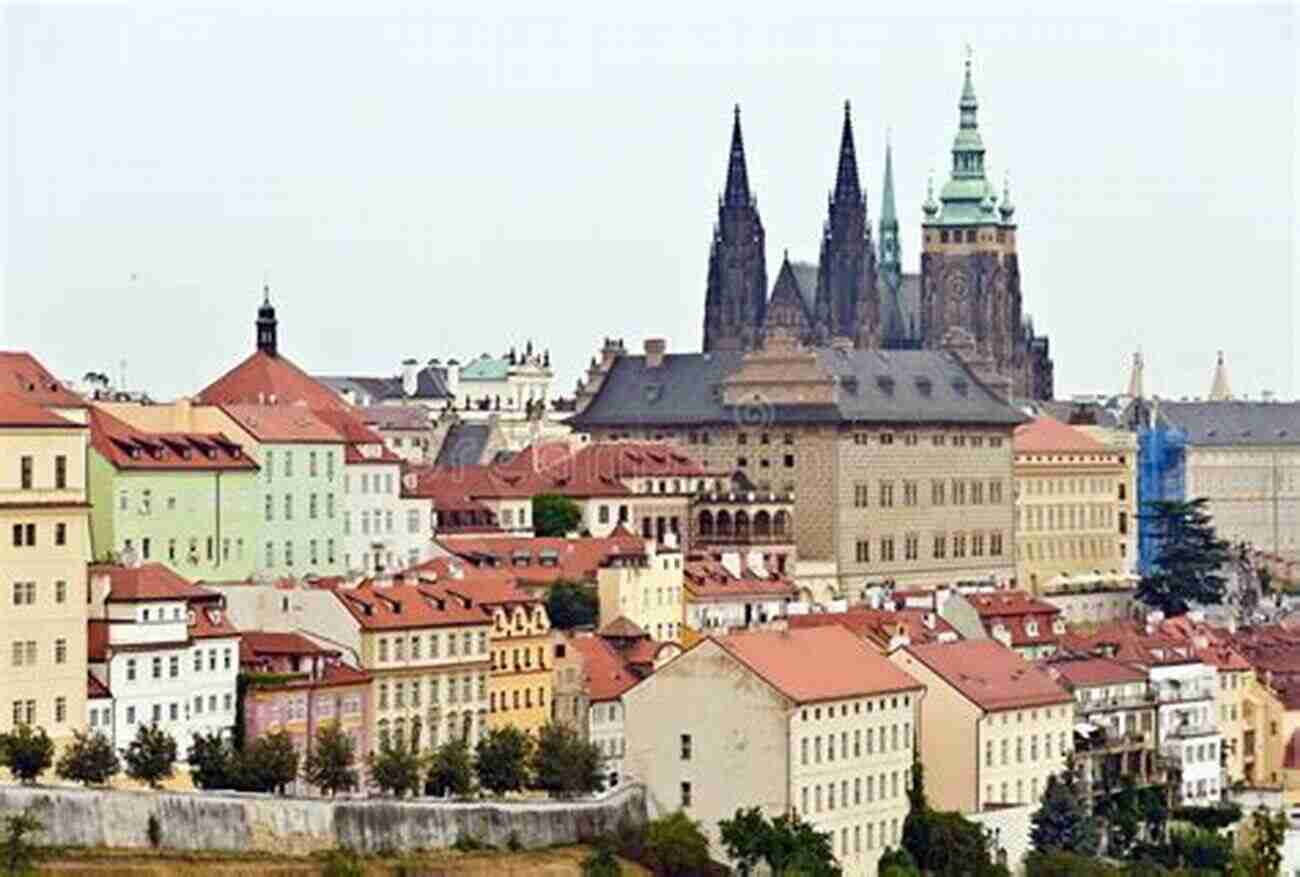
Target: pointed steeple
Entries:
(737, 191)
(1135, 377)
(847, 188)
(266, 324)
(1219, 389)
(888, 213)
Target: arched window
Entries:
(762, 525)
(706, 523)
(780, 524)
(724, 523)
(742, 525)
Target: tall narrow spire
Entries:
(1219, 389)
(1135, 377)
(888, 213)
(737, 191)
(847, 188)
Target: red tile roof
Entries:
(253, 643)
(990, 675)
(816, 664)
(149, 581)
(880, 625)
(623, 628)
(266, 379)
(465, 483)
(96, 640)
(210, 622)
(16, 410)
(1004, 603)
(606, 675)
(548, 558)
(96, 690)
(22, 375)
(1090, 671)
(1125, 641)
(490, 586)
(282, 423)
(1047, 436)
(403, 607)
(126, 447)
(706, 578)
(395, 416)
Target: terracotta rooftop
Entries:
(282, 423)
(126, 447)
(22, 375)
(266, 379)
(1045, 435)
(534, 560)
(1000, 603)
(990, 675)
(881, 625)
(403, 607)
(96, 690)
(395, 416)
(1126, 641)
(817, 664)
(707, 578)
(149, 581)
(1089, 671)
(16, 410)
(253, 643)
(606, 675)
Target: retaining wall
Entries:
(250, 823)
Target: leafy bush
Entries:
(564, 764)
(19, 852)
(154, 831)
(572, 604)
(210, 759)
(151, 756)
(674, 845)
(555, 515)
(601, 863)
(395, 768)
(1210, 818)
(27, 752)
(502, 760)
(467, 843)
(450, 770)
(330, 766)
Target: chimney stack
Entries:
(410, 376)
(655, 348)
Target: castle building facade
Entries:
(858, 294)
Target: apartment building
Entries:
(164, 650)
(591, 677)
(645, 587)
(993, 726)
(730, 592)
(184, 498)
(1025, 624)
(1073, 508)
(829, 719)
(44, 551)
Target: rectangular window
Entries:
(940, 546)
(686, 747)
(860, 494)
(25, 465)
(886, 548)
(863, 551)
(60, 592)
(60, 651)
(311, 507)
(60, 472)
(288, 506)
(686, 794)
(270, 508)
(288, 464)
(886, 494)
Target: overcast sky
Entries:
(414, 184)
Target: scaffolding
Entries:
(1162, 474)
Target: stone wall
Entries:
(250, 823)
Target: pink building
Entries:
(296, 685)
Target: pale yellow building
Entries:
(811, 720)
(646, 589)
(1073, 524)
(993, 727)
(44, 550)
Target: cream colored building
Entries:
(900, 462)
(646, 589)
(1125, 443)
(993, 727)
(44, 549)
(1072, 509)
(811, 720)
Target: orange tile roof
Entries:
(467, 483)
(607, 677)
(16, 410)
(253, 643)
(1126, 641)
(21, 374)
(149, 581)
(1044, 435)
(1002, 603)
(706, 578)
(990, 675)
(816, 664)
(548, 558)
(126, 447)
(282, 423)
(1082, 672)
(879, 625)
(266, 379)
(402, 607)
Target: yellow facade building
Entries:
(1073, 521)
(646, 589)
(44, 549)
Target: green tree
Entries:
(451, 771)
(1058, 863)
(564, 764)
(268, 764)
(395, 768)
(745, 837)
(502, 758)
(210, 759)
(786, 843)
(1062, 821)
(1263, 856)
(572, 604)
(19, 852)
(944, 844)
(28, 752)
(89, 759)
(151, 756)
(331, 764)
(676, 846)
(896, 863)
(1189, 557)
(601, 863)
(555, 515)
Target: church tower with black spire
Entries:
(267, 325)
(736, 295)
(848, 307)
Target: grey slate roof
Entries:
(687, 389)
(805, 275)
(1235, 422)
(463, 445)
(396, 416)
(430, 384)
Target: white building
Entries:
(164, 650)
(1186, 724)
(604, 679)
(384, 529)
(731, 592)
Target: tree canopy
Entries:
(564, 764)
(786, 843)
(502, 760)
(27, 752)
(1189, 559)
(151, 756)
(572, 604)
(555, 515)
(331, 764)
(1062, 822)
(89, 759)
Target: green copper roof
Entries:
(968, 198)
(888, 215)
(485, 368)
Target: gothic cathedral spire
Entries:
(848, 307)
(736, 296)
(891, 267)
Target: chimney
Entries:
(655, 348)
(610, 352)
(453, 377)
(410, 376)
(731, 563)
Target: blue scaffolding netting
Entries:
(1162, 470)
